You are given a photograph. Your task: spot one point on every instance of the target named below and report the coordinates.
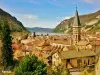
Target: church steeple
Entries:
(76, 22)
(76, 28)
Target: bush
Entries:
(30, 65)
(60, 71)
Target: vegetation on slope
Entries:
(13, 23)
(66, 25)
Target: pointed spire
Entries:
(76, 22)
(76, 7)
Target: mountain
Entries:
(89, 23)
(39, 29)
(15, 25)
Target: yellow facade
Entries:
(74, 62)
(97, 66)
(56, 60)
(76, 35)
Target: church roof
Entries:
(76, 22)
(75, 54)
(82, 43)
(97, 51)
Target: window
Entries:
(58, 58)
(54, 56)
(68, 60)
(88, 62)
(54, 62)
(85, 64)
(79, 61)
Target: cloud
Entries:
(30, 20)
(89, 1)
(95, 4)
(27, 19)
(30, 16)
(56, 2)
(31, 1)
(57, 23)
(60, 19)
(67, 17)
(63, 18)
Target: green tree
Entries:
(34, 34)
(7, 52)
(30, 65)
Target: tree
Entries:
(34, 34)
(30, 65)
(7, 52)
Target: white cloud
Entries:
(60, 19)
(30, 1)
(89, 1)
(30, 16)
(63, 18)
(33, 1)
(67, 17)
(30, 20)
(27, 19)
(58, 23)
(56, 2)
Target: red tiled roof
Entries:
(16, 47)
(46, 48)
(95, 42)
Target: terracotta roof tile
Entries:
(95, 42)
(16, 47)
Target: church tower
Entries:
(76, 27)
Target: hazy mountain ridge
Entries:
(14, 24)
(89, 22)
(39, 29)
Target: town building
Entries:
(76, 28)
(84, 54)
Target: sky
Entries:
(47, 13)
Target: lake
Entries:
(50, 33)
